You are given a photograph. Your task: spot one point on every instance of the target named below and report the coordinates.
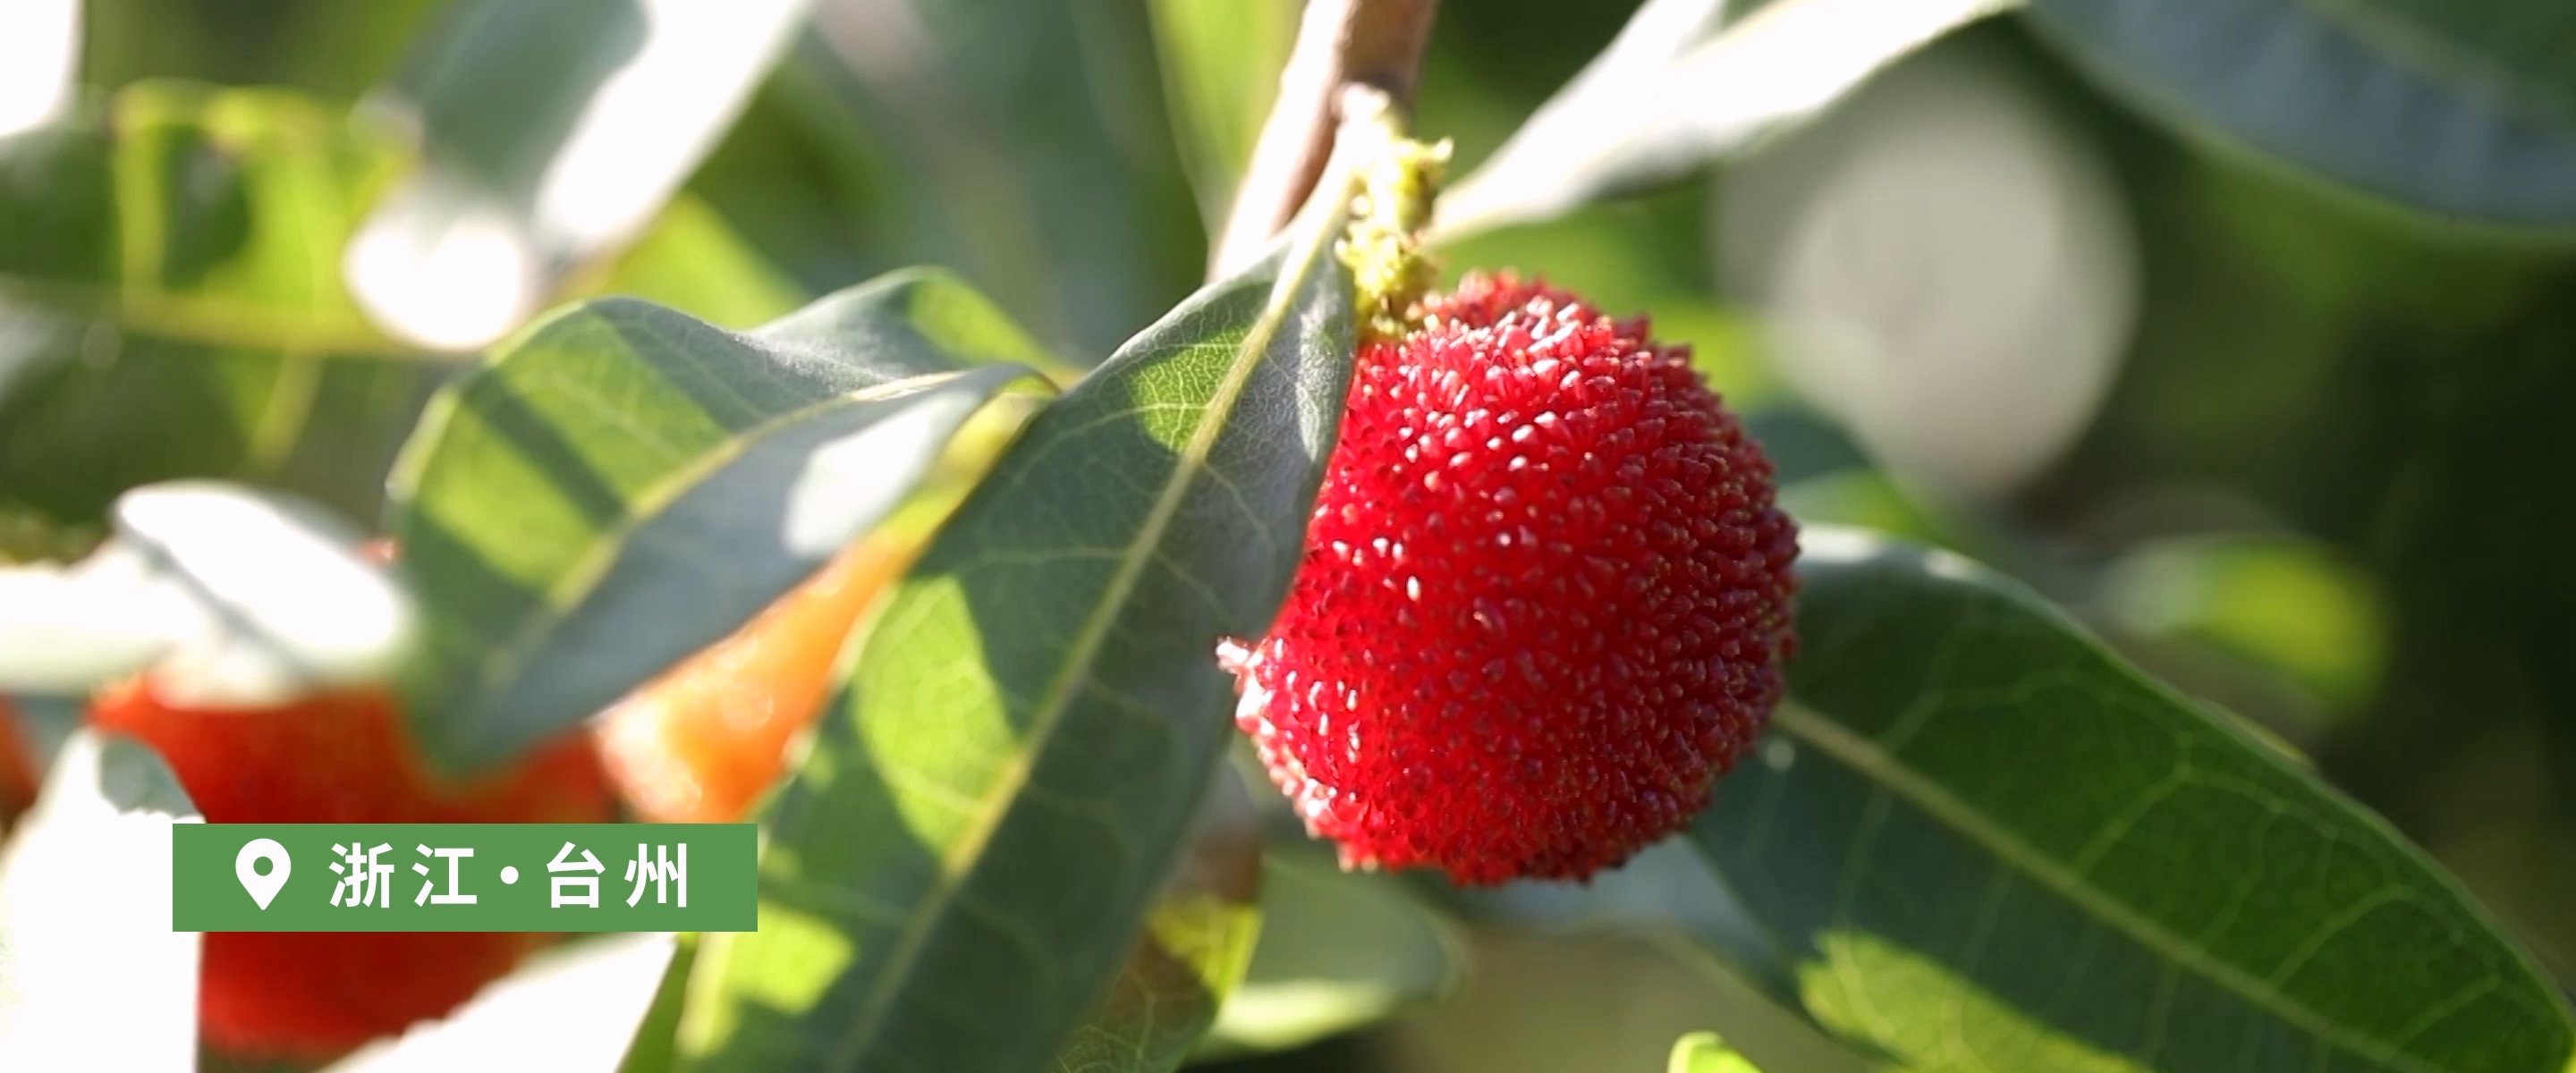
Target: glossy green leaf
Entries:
(2466, 108)
(550, 136)
(1339, 951)
(1167, 995)
(170, 305)
(91, 976)
(1987, 844)
(623, 485)
(1767, 1025)
(966, 854)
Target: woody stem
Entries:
(1377, 43)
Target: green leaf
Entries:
(623, 485)
(1198, 939)
(1989, 844)
(551, 134)
(1167, 995)
(1769, 1027)
(655, 1047)
(999, 790)
(1703, 1052)
(2465, 108)
(169, 290)
(1339, 951)
(572, 1007)
(91, 976)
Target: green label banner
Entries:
(535, 877)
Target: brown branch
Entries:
(1377, 42)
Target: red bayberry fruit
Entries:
(342, 758)
(1545, 600)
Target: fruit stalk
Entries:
(1374, 43)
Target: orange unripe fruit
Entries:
(704, 741)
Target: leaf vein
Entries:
(1890, 775)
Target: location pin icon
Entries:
(262, 888)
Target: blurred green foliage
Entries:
(2328, 488)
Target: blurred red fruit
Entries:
(342, 758)
(17, 768)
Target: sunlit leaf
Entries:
(655, 1047)
(170, 304)
(1986, 843)
(1703, 1052)
(623, 485)
(963, 860)
(1197, 941)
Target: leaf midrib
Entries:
(1891, 774)
(1049, 714)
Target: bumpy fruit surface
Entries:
(1545, 602)
(342, 758)
(704, 741)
